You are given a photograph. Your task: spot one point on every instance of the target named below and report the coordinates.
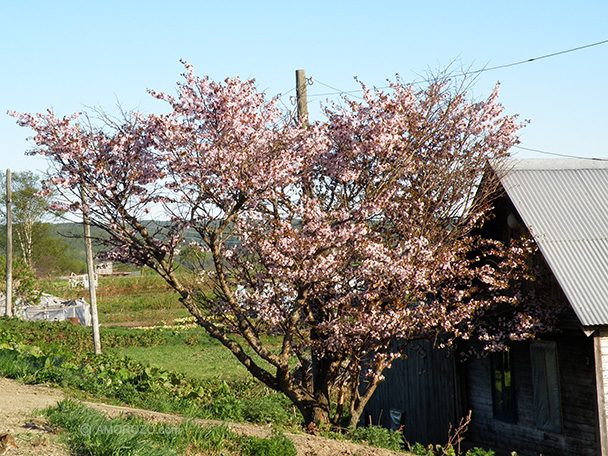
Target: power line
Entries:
(559, 155)
(546, 56)
(482, 70)
(338, 91)
(282, 94)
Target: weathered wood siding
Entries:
(423, 388)
(578, 400)
(601, 377)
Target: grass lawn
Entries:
(135, 301)
(194, 361)
(127, 301)
(194, 353)
(190, 352)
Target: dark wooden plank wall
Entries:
(578, 397)
(423, 387)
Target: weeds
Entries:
(452, 447)
(91, 433)
(71, 341)
(141, 385)
(378, 436)
(276, 445)
(37, 352)
(447, 450)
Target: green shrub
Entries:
(418, 449)
(378, 436)
(437, 450)
(25, 284)
(275, 445)
(264, 410)
(227, 408)
(480, 452)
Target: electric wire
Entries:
(338, 91)
(481, 70)
(529, 149)
(546, 56)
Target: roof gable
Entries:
(564, 204)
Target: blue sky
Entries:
(67, 55)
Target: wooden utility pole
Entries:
(90, 270)
(301, 96)
(9, 246)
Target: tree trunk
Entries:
(353, 421)
(314, 413)
(358, 404)
(314, 405)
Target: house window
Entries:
(503, 392)
(545, 381)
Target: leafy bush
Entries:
(259, 410)
(267, 409)
(480, 452)
(420, 450)
(378, 436)
(275, 445)
(448, 450)
(25, 285)
(227, 408)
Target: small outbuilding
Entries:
(548, 396)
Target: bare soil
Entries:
(19, 415)
(19, 407)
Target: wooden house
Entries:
(543, 397)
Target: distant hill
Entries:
(62, 249)
(72, 234)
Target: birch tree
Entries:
(30, 210)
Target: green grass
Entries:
(196, 361)
(91, 433)
(42, 352)
(128, 301)
(179, 370)
(190, 351)
(193, 352)
(128, 382)
(379, 437)
(36, 352)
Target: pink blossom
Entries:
(349, 237)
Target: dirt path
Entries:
(18, 404)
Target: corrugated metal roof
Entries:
(564, 204)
